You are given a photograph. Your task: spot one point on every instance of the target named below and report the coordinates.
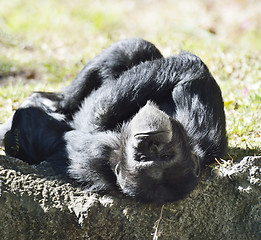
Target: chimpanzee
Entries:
(131, 120)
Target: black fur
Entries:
(131, 119)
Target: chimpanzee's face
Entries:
(157, 163)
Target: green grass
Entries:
(43, 44)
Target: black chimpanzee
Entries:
(131, 118)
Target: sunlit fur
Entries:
(131, 120)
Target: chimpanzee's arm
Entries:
(199, 108)
(106, 66)
(155, 80)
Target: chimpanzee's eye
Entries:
(143, 158)
(140, 157)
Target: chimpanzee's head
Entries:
(156, 162)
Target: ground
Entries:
(43, 44)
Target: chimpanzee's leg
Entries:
(36, 136)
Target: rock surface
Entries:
(35, 204)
